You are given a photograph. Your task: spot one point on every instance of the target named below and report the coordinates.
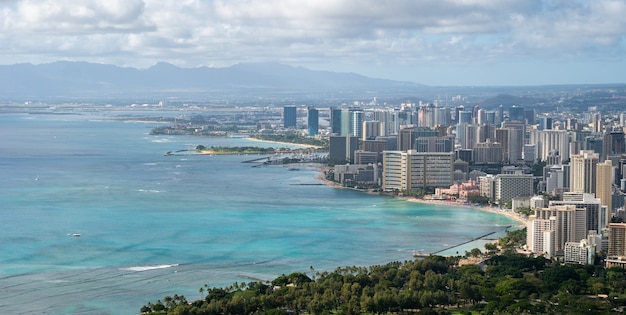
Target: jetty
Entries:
(484, 236)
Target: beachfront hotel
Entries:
(502, 188)
(408, 170)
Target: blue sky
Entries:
(434, 42)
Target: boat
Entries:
(74, 234)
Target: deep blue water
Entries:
(154, 225)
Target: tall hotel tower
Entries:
(583, 172)
(604, 184)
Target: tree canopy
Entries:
(509, 283)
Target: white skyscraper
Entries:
(567, 222)
(550, 141)
(583, 172)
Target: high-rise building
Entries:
(356, 121)
(485, 132)
(394, 177)
(335, 120)
(593, 143)
(604, 183)
(475, 110)
(371, 130)
(434, 144)
(545, 123)
(375, 146)
(457, 114)
(341, 149)
(568, 222)
(617, 240)
(487, 153)
(426, 116)
(583, 172)
(596, 121)
(529, 116)
(572, 124)
(555, 179)
(550, 141)
(365, 157)
(481, 116)
(509, 186)
(416, 170)
(465, 117)
(487, 184)
(597, 215)
(613, 144)
(467, 135)
(582, 252)
(502, 137)
(500, 115)
(387, 121)
(516, 113)
(442, 116)
(529, 153)
(289, 116)
(540, 236)
(313, 121)
(406, 139)
(491, 118)
(516, 140)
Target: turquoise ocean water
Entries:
(154, 225)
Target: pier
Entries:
(258, 160)
(418, 254)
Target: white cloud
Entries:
(224, 32)
(62, 17)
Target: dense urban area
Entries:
(554, 158)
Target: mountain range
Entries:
(81, 79)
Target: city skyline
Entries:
(442, 43)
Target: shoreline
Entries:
(286, 143)
(508, 213)
(522, 221)
(441, 252)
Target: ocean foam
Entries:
(149, 191)
(146, 268)
(161, 140)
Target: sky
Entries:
(433, 42)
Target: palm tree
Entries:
(168, 301)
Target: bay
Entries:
(152, 225)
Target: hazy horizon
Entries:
(437, 43)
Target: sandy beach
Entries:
(505, 212)
(285, 143)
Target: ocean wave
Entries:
(146, 268)
(160, 140)
(149, 190)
